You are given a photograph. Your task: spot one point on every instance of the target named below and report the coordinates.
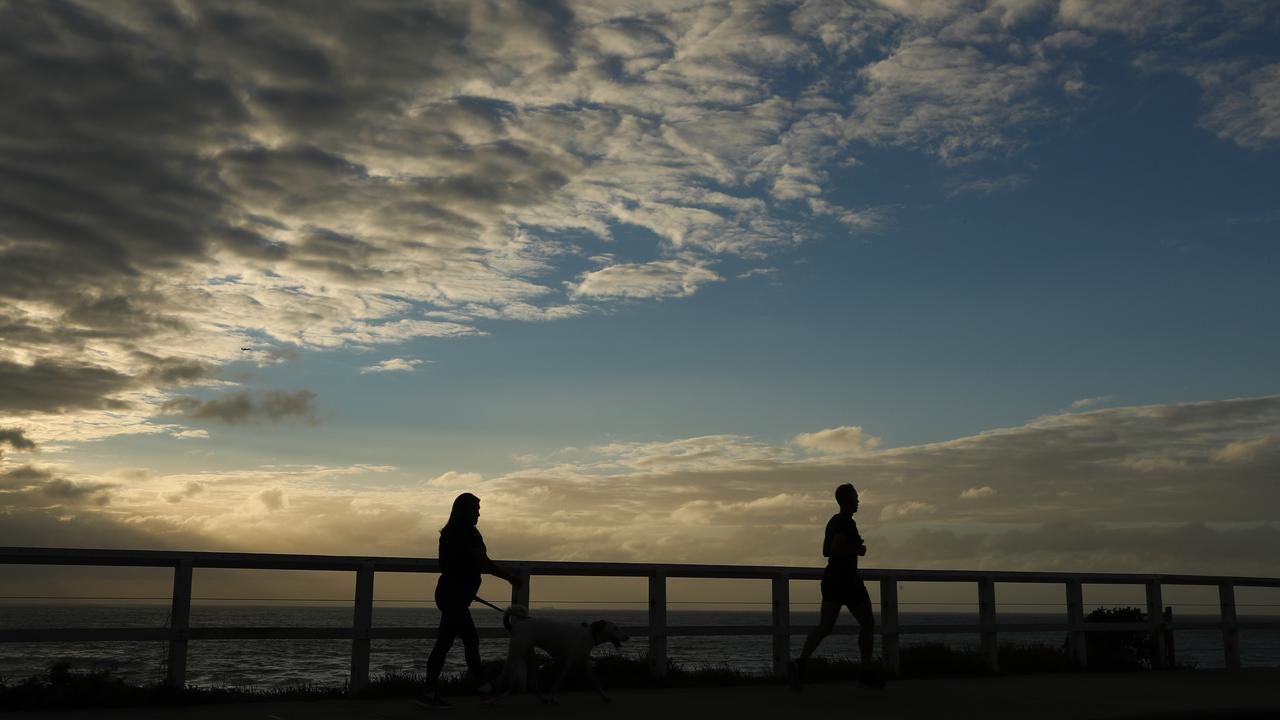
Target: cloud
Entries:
(133, 473)
(28, 486)
(176, 370)
(905, 509)
(772, 509)
(845, 439)
(1153, 462)
(199, 179)
(865, 220)
(191, 434)
(754, 272)
(665, 278)
(1066, 546)
(974, 493)
(16, 439)
(708, 452)
(984, 187)
(392, 365)
(1208, 43)
(955, 102)
(453, 478)
(49, 386)
(1067, 39)
(272, 499)
(1091, 401)
(244, 408)
(190, 490)
(23, 476)
(1241, 105)
(1073, 494)
(1246, 451)
(1133, 17)
(64, 490)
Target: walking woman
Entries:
(463, 557)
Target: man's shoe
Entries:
(795, 675)
(432, 702)
(871, 680)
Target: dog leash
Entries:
(486, 602)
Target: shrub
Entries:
(1121, 650)
(940, 660)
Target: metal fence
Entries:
(362, 631)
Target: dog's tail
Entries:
(512, 614)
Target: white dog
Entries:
(566, 643)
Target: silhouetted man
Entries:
(463, 557)
(842, 587)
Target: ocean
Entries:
(284, 663)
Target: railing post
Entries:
(987, 619)
(889, 623)
(362, 625)
(658, 625)
(1155, 618)
(520, 593)
(1075, 624)
(1230, 630)
(179, 625)
(781, 624)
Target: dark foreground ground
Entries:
(1175, 694)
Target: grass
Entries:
(62, 687)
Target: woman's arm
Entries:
(489, 566)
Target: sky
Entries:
(650, 278)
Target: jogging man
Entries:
(842, 587)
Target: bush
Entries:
(62, 688)
(927, 660)
(1029, 658)
(1123, 650)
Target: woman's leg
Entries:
(449, 626)
(466, 629)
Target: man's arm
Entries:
(842, 547)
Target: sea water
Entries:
(269, 664)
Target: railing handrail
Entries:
(361, 632)
(288, 561)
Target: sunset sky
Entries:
(651, 279)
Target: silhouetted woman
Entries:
(463, 557)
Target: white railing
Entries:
(362, 630)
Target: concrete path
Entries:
(1182, 695)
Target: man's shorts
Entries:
(846, 589)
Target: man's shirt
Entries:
(841, 524)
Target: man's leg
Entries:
(827, 617)
(866, 642)
(826, 623)
(866, 630)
